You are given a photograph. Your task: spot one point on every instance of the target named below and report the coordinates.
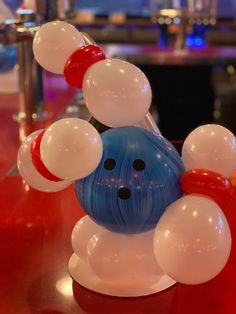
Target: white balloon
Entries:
(116, 92)
(211, 147)
(192, 240)
(115, 264)
(82, 232)
(54, 43)
(30, 174)
(123, 258)
(71, 148)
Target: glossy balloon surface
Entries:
(123, 258)
(137, 178)
(208, 183)
(82, 232)
(211, 147)
(37, 161)
(117, 93)
(54, 43)
(79, 62)
(192, 240)
(30, 174)
(71, 148)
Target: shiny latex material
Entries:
(37, 161)
(79, 62)
(54, 43)
(121, 257)
(115, 264)
(30, 174)
(35, 243)
(117, 93)
(209, 183)
(192, 241)
(82, 232)
(211, 147)
(71, 148)
(137, 178)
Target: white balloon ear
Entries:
(211, 147)
(71, 148)
(54, 43)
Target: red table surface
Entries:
(35, 247)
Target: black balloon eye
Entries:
(139, 164)
(109, 164)
(124, 193)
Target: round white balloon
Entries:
(71, 148)
(54, 43)
(123, 258)
(30, 174)
(82, 232)
(116, 92)
(211, 147)
(192, 240)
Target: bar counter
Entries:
(154, 55)
(35, 243)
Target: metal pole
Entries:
(31, 100)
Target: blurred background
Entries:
(187, 48)
(225, 9)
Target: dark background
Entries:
(226, 8)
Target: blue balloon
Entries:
(137, 178)
(8, 57)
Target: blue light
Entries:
(198, 41)
(194, 40)
(189, 42)
(176, 20)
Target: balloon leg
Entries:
(115, 264)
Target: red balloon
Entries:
(37, 161)
(208, 183)
(79, 62)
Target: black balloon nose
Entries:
(124, 193)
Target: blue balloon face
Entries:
(137, 178)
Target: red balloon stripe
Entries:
(37, 161)
(208, 183)
(79, 62)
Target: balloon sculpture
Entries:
(152, 217)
